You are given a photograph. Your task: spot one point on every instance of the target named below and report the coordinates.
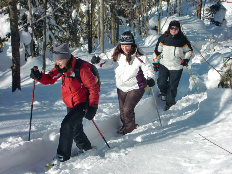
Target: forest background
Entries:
(84, 23)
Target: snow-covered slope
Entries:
(175, 147)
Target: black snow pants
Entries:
(168, 82)
(72, 129)
(127, 103)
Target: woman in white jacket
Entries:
(172, 52)
(133, 72)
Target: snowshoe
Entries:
(120, 131)
(56, 161)
(167, 108)
(136, 126)
(81, 151)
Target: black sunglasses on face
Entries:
(174, 28)
(57, 52)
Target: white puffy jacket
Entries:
(131, 75)
(170, 50)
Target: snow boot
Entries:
(120, 131)
(56, 161)
(167, 108)
(162, 96)
(81, 151)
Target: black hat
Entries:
(174, 23)
(127, 38)
(61, 52)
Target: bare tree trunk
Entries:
(32, 29)
(89, 26)
(199, 9)
(179, 8)
(204, 10)
(117, 30)
(142, 17)
(113, 24)
(107, 28)
(175, 7)
(44, 36)
(98, 22)
(102, 25)
(76, 39)
(195, 5)
(15, 45)
(147, 18)
(117, 22)
(159, 16)
(168, 6)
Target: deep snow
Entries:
(174, 148)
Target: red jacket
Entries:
(74, 92)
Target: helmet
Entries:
(126, 38)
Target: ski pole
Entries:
(100, 133)
(215, 144)
(192, 78)
(156, 106)
(151, 90)
(31, 109)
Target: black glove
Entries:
(91, 113)
(156, 67)
(184, 62)
(151, 82)
(35, 74)
(95, 60)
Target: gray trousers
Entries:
(127, 103)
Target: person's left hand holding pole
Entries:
(35, 74)
(90, 112)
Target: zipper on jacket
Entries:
(62, 80)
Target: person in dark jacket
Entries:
(172, 52)
(133, 72)
(81, 99)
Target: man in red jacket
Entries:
(81, 99)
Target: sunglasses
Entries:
(174, 28)
(57, 52)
